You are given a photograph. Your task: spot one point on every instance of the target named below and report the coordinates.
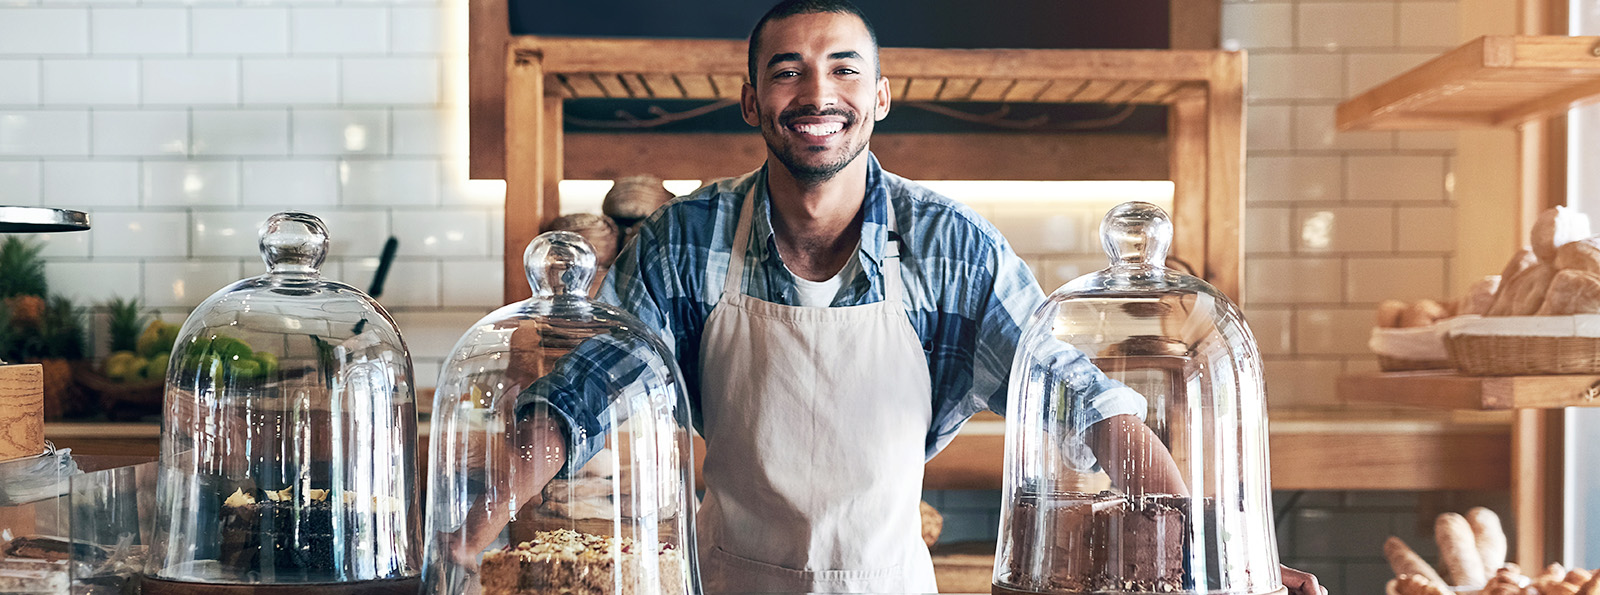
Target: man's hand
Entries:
(1300, 583)
(538, 453)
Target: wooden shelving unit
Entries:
(1495, 81)
(1491, 81)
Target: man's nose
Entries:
(818, 91)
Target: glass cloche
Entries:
(1158, 489)
(561, 458)
(288, 438)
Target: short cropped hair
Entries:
(789, 8)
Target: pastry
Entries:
(1479, 297)
(1389, 313)
(565, 562)
(1554, 228)
(1524, 294)
(1582, 255)
(1572, 292)
(1423, 313)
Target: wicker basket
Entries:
(1490, 349)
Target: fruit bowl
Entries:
(120, 400)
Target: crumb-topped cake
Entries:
(569, 562)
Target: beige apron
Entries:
(816, 420)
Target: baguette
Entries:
(1489, 537)
(1458, 551)
(1404, 561)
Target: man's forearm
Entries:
(1134, 456)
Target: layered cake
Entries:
(1077, 542)
(277, 532)
(569, 562)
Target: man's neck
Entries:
(817, 226)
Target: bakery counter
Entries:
(1310, 450)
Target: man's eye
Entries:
(785, 74)
(848, 71)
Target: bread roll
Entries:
(1559, 588)
(1404, 561)
(1489, 537)
(1582, 255)
(1479, 297)
(1577, 577)
(600, 231)
(1423, 313)
(1572, 292)
(1521, 261)
(1591, 587)
(1389, 313)
(1555, 228)
(634, 197)
(1458, 551)
(1412, 584)
(1524, 294)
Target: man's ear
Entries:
(747, 105)
(883, 98)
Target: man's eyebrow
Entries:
(783, 57)
(845, 55)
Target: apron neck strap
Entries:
(734, 284)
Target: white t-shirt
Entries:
(820, 294)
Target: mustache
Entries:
(789, 115)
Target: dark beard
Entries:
(809, 174)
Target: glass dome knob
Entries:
(559, 263)
(293, 242)
(1136, 233)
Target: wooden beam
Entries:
(605, 156)
(489, 32)
(719, 56)
(1186, 119)
(1538, 438)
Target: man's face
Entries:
(817, 93)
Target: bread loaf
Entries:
(1404, 561)
(1577, 577)
(1479, 297)
(1521, 261)
(1458, 551)
(1582, 255)
(1423, 313)
(1416, 585)
(1592, 586)
(1524, 294)
(1557, 227)
(1389, 313)
(1489, 537)
(600, 231)
(1572, 292)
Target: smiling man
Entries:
(836, 324)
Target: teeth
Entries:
(820, 129)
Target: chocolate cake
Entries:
(1078, 542)
(277, 532)
(569, 562)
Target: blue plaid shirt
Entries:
(968, 297)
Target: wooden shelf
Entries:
(1491, 81)
(1448, 390)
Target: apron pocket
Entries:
(726, 572)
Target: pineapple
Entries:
(22, 281)
(127, 321)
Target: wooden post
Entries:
(1224, 265)
(1537, 442)
(525, 177)
(554, 153)
(1186, 119)
(488, 33)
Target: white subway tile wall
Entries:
(1336, 221)
(180, 125)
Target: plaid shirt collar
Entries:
(763, 243)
